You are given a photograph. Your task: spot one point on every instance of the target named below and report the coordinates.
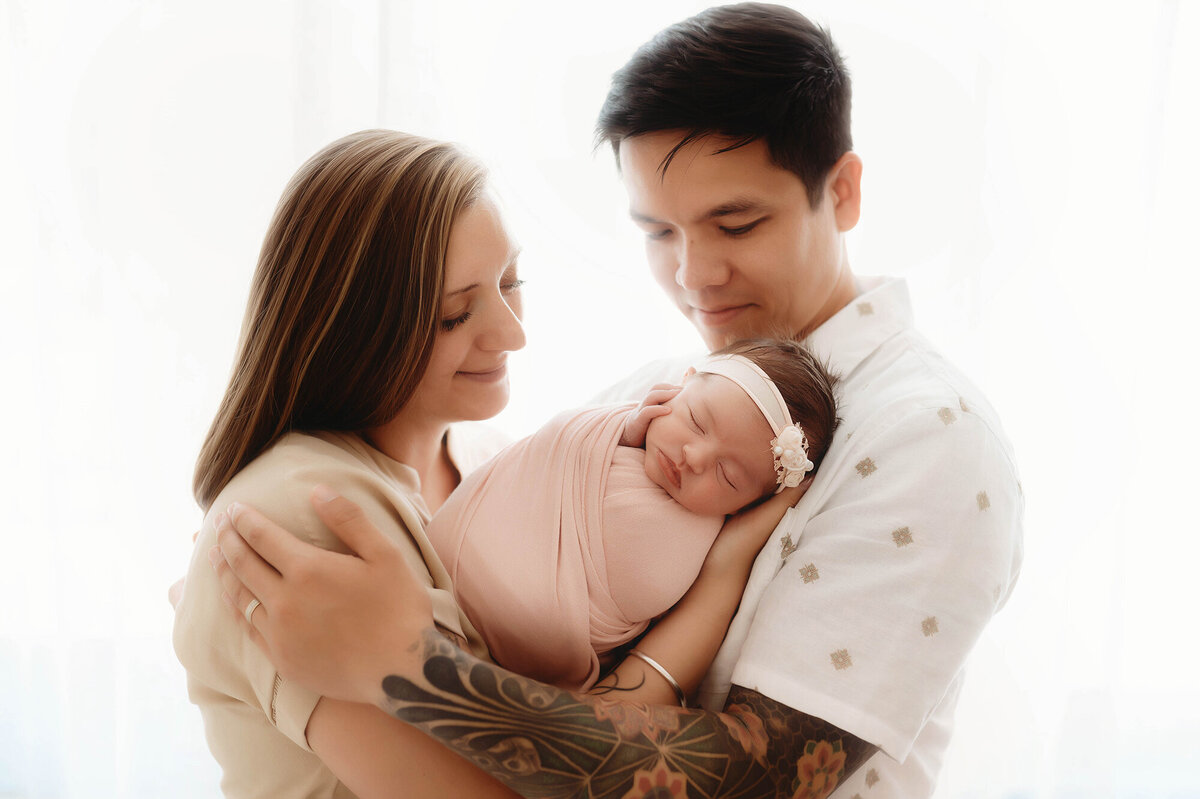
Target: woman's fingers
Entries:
(349, 523)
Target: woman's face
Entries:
(467, 376)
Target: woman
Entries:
(384, 304)
(383, 307)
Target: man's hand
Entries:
(334, 623)
(747, 532)
(651, 407)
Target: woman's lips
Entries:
(490, 376)
(669, 470)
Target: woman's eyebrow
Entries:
(462, 290)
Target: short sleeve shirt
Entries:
(864, 605)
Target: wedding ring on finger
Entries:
(249, 611)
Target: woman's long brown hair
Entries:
(345, 303)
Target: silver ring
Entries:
(249, 611)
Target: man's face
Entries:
(732, 238)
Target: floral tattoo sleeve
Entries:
(542, 741)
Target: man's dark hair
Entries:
(742, 72)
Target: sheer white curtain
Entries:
(1030, 166)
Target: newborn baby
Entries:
(569, 542)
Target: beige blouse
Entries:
(254, 720)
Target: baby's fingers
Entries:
(661, 393)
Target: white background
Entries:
(1031, 168)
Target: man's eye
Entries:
(657, 235)
(741, 230)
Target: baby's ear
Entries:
(691, 371)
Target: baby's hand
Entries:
(651, 407)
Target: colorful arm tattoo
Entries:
(542, 741)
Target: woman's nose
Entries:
(506, 333)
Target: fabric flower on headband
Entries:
(790, 449)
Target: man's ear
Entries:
(843, 188)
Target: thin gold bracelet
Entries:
(666, 675)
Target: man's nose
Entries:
(697, 267)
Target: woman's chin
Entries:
(485, 407)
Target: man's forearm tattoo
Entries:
(542, 741)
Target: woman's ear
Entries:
(690, 371)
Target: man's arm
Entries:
(545, 742)
(338, 623)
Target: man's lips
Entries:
(717, 316)
(669, 470)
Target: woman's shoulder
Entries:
(279, 482)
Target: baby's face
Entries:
(712, 452)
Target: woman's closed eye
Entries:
(455, 321)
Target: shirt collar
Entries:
(880, 311)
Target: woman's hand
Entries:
(337, 624)
(650, 408)
(746, 533)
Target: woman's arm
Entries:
(686, 640)
(377, 755)
(539, 740)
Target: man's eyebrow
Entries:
(638, 216)
(739, 205)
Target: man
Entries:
(840, 671)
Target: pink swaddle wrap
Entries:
(560, 547)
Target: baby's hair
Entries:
(806, 384)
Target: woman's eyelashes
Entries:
(450, 324)
(510, 285)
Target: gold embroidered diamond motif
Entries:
(810, 573)
(981, 499)
(841, 659)
(865, 467)
(786, 547)
(929, 626)
(865, 309)
(872, 778)
(902, 537)
(947, 416)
